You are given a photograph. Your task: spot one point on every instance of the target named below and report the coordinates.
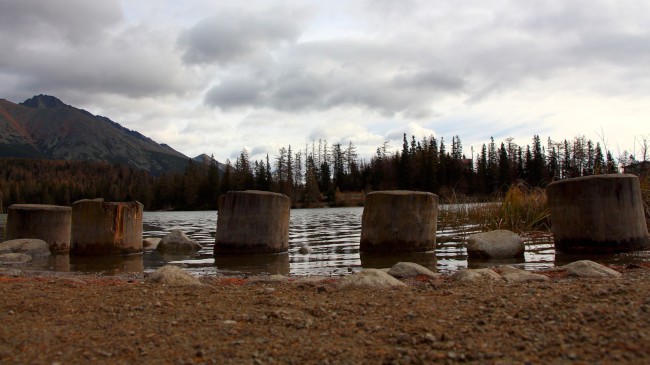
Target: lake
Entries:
(333, 236)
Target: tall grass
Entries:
(521, 209)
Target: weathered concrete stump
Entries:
(252, 222)
(50, 223)
(598, 214)
(399, 221)
(100, 228)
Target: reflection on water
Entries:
(333, 236)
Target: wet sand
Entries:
(50, 318)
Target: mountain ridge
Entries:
(44, 127)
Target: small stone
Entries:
(304, 250)
(370, 278)
(409, 269)
(589, 269)
(476, 275)
(173, 275)
(515, 275)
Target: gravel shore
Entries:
(78, 319)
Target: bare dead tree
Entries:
(644, 145)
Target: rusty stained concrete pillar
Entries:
(100, 227)
(252, 222)
(399, 221)
(50, 223)
(598, 214)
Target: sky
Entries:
(215, 77)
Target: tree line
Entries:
(313, 175)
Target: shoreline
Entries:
(80, 318)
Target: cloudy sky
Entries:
(218, 76)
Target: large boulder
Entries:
(370, 278)
(409, 269)
(177, 242)
(499, 244)
(32, 247)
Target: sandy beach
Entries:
(50, 318)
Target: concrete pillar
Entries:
(598, 214)
(100, 227)
(252, 222)
(50, 223)
(399, 221)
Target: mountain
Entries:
(43, 127)
(206, 160)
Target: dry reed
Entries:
(522, 209)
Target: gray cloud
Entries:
(81, 48)
(231, 35)
(73, 20)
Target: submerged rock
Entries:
(371, 278)
(589, 269)
(499, 244)
(476, 275)
(177, 242)
(304, 250)
(32, 247)
(173, 275)
(409, 269)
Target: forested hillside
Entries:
(318, 174)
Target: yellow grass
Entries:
(522, 209)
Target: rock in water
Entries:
(476, 275)
(515, 275)
(371, 278)
(499, 244)
(177, 242)
(589, 269)
(409, 269)
(173, 275)
(304, 250)
(14, 258)
(151, 243)
(32, 247)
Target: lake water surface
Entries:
(333, 236)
